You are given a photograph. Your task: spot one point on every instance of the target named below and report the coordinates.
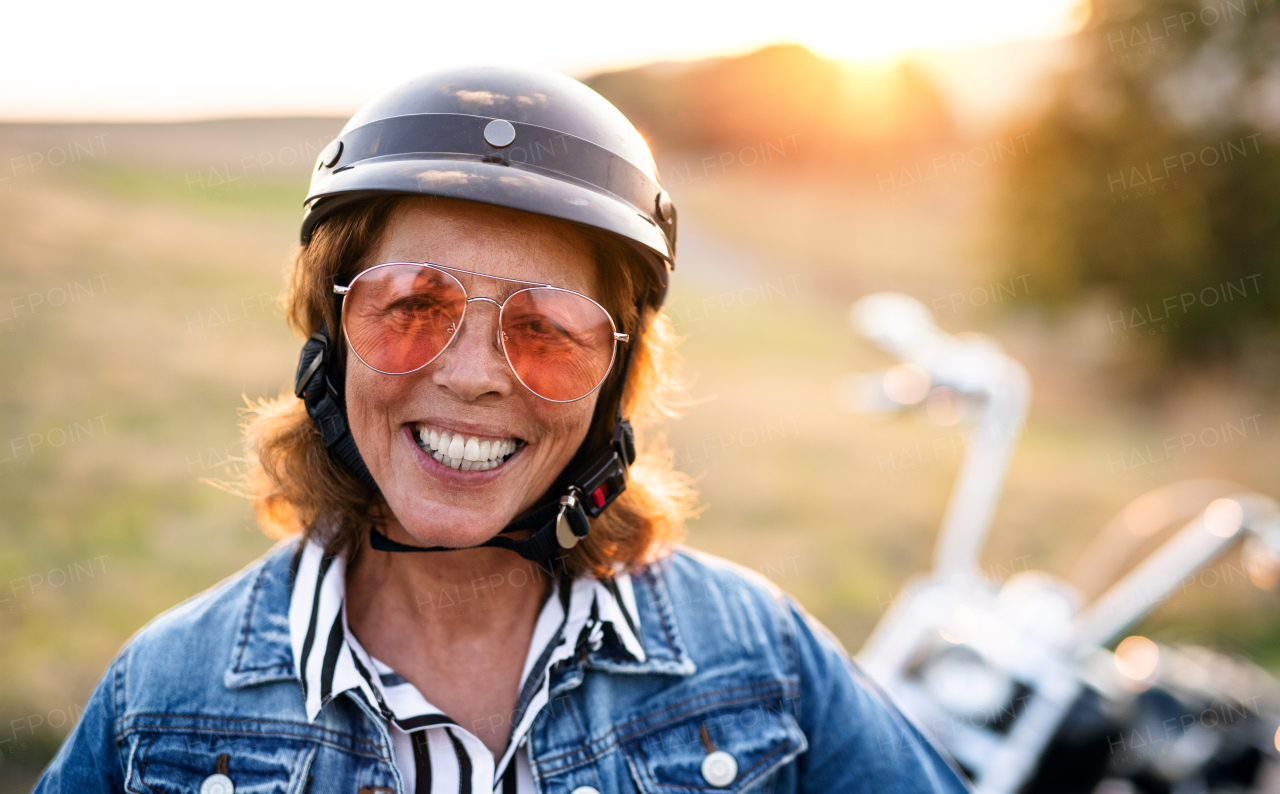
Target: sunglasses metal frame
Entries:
(339, 289)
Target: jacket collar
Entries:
(263, 651)
(664, 647)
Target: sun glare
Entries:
(246, 60)
(870, 33)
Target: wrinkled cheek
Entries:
(367, 413)
(562, 430)
(564, 425)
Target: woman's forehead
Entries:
(491, 240)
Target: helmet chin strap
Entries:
(588, 488)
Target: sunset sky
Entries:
(78, 60)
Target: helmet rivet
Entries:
(499, 133)
(664, 206)
(330, 154)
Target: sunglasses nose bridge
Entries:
(498, 306)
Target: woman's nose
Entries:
(473, 364)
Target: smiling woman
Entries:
(478, 586)
(296, 485)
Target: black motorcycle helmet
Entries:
(516, 137)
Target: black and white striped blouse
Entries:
(433, 753)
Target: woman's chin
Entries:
(433, 524)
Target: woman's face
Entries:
(469, 390)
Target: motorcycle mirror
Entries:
(897, 323)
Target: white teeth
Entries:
(464, 453)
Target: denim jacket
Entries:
(732, 665)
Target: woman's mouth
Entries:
(464, 452)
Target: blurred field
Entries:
(155, 260)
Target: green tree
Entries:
(1156, 178)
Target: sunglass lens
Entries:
(399, 317)
(559, 343)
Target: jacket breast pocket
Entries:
(726, 748)
(182, 762)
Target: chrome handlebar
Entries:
(974, 367)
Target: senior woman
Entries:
(478, 586)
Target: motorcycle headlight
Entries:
(961, 682)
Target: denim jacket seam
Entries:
(614, 738)
(251, 720)
(155, 732)
(607, 744)
(752, 692)
(326, 736)
(665, 613)
(119, 696)
(791, 654)
(647, 575)
(248, 624)
(142, 765)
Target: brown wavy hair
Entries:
(296, 486)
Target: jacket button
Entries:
(719, 768)
(217, 784)
(584, 790)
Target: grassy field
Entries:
(136, 314)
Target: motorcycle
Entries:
(1023, 682)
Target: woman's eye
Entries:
(538, 328)
(414, 305)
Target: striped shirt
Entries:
(434, 754)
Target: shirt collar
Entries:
(601, 618)
(262, 652)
